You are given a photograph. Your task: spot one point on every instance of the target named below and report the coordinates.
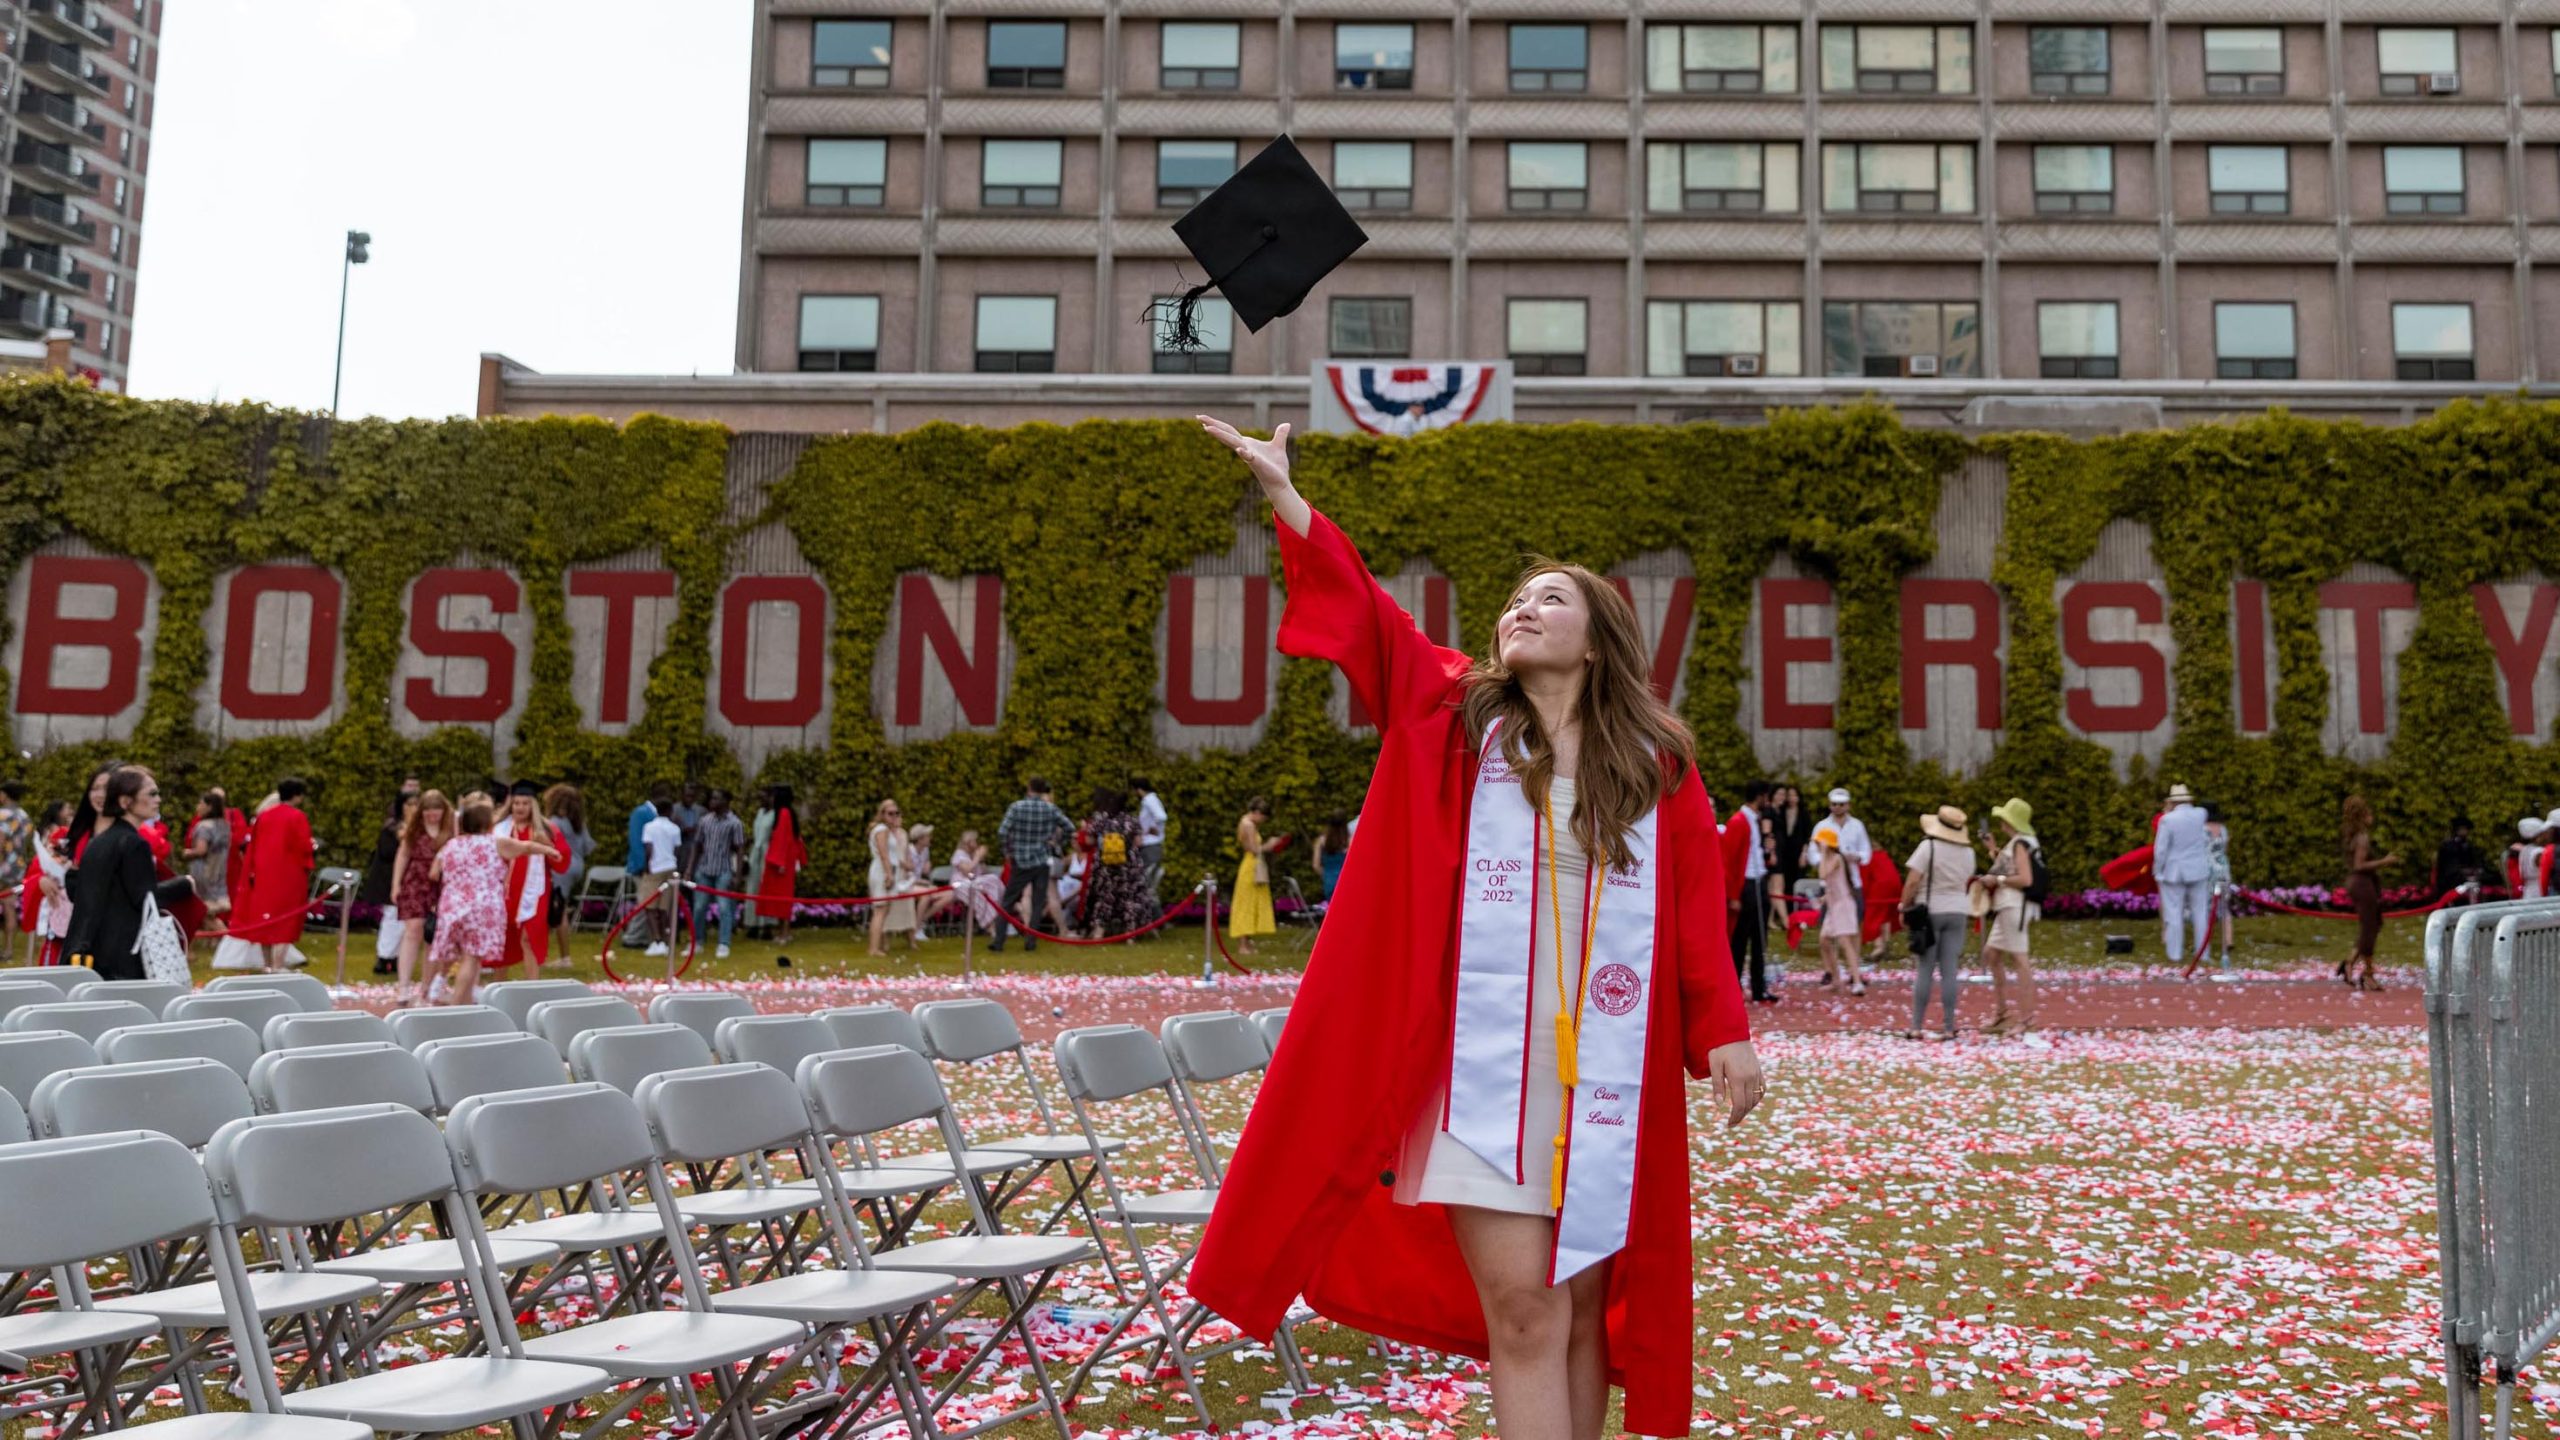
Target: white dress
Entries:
(1435, 1169)
(891, 874)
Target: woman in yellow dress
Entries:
(1250, 913)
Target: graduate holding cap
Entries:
(1475, 1136)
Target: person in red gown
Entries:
(529, 876)
(783, 857)
(267, 912)
(1396, 1168)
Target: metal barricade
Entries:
(2474, 1147)
(2522, 1008)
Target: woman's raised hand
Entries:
(1269, 462)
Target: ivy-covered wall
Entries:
(1086, 523)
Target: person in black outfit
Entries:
(2458, 860)
(376, 890)
(1751, 909)
(115, 876)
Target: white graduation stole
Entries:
(1502, 916)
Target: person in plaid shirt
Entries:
(1035, 830)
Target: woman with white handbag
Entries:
(117, 927)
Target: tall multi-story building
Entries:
(2077, 190)
(75, 136)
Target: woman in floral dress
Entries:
(1117, 886)
(471, 914)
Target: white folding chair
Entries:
(972, 1032)
(87, 1019)
(226, 1041)
(413, 1027)
(138, 1192)
(302, 1030)
(321, 1169)
(1206, 1048)
(563, 1020)
(702, 1010)
(151, 995)
(251, 1007)
(485, 1065)
(65, 978)
(27, 1056)
(306, 990)
(1269, 1023)
(322, 1077)
(624, 1057)
(16, 994)
(609, 883)
(13, 1121)
(515, 999)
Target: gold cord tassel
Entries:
(1555, 1181)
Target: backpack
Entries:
(1115, 848)
(2039, 878)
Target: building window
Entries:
(1370, 328)
(1550, 175)
(129, 96)
(2075, 179)
(1020, 174)
(850, 52)
(839, 332)
(1018, 333)
(1897, 59)
(2253, 341)
(2418, 62)
(111, 289)
(2422, 179)
(1373, 174)
(1550, 57)
(848, 172)
(2076, 340)
(1212, 320)
(1200, 55)
(1720, 59)
(1881, 339)
(1548, 337)
(1883, 179)
(1026, 54)
(1372, 57)
(107, 340)
(120, 192)
(2432, 342)
(115, 243)
(2248, 179)
(1187, 170)
(1724, 337)
(2068, 60)
(1746, 177)
(2243, 60)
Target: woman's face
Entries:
(1546, 628)
(145, 804)
(437, 817)
(520, 808)
(98, 791)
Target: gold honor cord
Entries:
(1568, 1007)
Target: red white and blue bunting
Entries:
(1402, 398)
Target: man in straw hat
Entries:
(2182, 863)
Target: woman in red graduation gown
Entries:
(529, 876)
(268, 912)
(1476, 1135)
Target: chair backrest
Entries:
(186, 1100)
(1214, 1045)
(483, 1065)
(65, 978)
(253, 1008)
(151, 995)
(1111, 1062)
(227, 1042)
(16, 994)
(529, 1141)
(515, 999)
(719, 1111)
(967, 1030)
(781, 1041)
(702, 1010)
(87, 1019)
(415, 1027)
(70, 1201)
(603, 877)
(858, 1027)
(320, 1077)
(627, 1055)
(335, 877)
(13, 1121)
(302, 1030)
(26, 1057)
(561, 1021)
(318, 1166)
(306, 990)
(1269, 1023)
(853, 1093)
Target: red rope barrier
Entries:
(1223, 953)
(1161, 921)
(850, 901)
(2283, 909)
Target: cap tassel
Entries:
(1173, 317)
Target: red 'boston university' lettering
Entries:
(2364, 601)
(1670, 643)
(1182, 699)
(1779, 649)
(621, 591)
(1977, 650)
(972, 672)
(2519, 651)
(2150, 704)
(318, 642)
(429, 636)
(48, 631)
(808, 669)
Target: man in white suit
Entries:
(2183, 866)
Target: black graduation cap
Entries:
(1266, 237)
(525, 787)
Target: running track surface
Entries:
(1046, 1003)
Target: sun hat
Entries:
(2532, 826)
(1827, 836)
(2020, 816)
(2181, 795)
(1946, 824)
(1837, 797)
(2551, 821)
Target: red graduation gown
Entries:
(1307, 1206)
(268, 910)
(783, 857)
(529, 937)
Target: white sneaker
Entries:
(724, 952)
(656, 951)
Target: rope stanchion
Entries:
(1223, 952)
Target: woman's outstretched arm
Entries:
(1269, 461)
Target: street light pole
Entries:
(357, 254)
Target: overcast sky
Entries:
(555, 179)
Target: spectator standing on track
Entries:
(2015, 906)
(1119, 900)
(1034, 831)
(2182, 864)
(1938, 879)
(662, 839)
(719, 842)
(1151, 827)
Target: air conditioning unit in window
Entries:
(2444, 82)
(1920, 366)
(1742, 365)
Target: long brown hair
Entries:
(2354, 818)
(1634, 750)
(416, 824)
